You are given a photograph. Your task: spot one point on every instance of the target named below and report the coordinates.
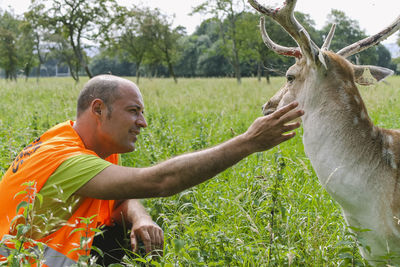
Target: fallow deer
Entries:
(356, 162)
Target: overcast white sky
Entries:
(373, 15)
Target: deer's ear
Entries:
(366, 75)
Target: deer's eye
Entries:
(290, 78)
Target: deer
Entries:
(356, 162)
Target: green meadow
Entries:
(268, 210)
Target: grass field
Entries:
(268, 210)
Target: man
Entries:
(74, 167)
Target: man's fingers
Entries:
(160, 238)
(285, 109)
(134, 242)
(292, 115)
(159, 241)
(291, 126)
(287, 136)
(146, 240)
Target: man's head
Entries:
(104, 87)
(113, 106)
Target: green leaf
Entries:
(20, 193)
(346, 256)
(140, 260)
(23, 229)
(101, 253)
(40, 197)
(178, 244)
(96, 230)
(342, 250)
(76, 230)
(28, 183)
(22, 204)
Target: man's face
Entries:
(119, 129)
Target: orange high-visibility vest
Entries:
(37, 162)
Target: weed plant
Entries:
(268, 210)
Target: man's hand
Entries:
(149, 233)
(143, 227)
(269, 131)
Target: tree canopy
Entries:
(99, 36)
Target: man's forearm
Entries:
(187, 170)
(129, 211)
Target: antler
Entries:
(284, 16)
(329, 37)
(370, 41)
(279, 49)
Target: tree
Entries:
(145, 36)
(384, 56)
(227, 12)
(213, 62)
(164, 39)
(106, 62)
(187, 65)
(26, 47)
(211, 59)
(127, 36)
(40, 36)
(256, 54)
(398, 40)
(62, 51)
(348, 32)
(8, 44)
(76, 21)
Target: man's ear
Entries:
(97, 107)
(366, 75)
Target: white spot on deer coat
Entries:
(363, 115)
(357, 99)
(345, 98)
(374, 132)
(388, 157)
(389, 139)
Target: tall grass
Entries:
(268, 210)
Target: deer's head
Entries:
(317, 68)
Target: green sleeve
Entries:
(71, 175)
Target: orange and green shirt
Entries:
(49, 163)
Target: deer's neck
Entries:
(357, 163)
(340, 140)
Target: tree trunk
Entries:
(236, 62)
(38, 71)
(259, 71)
(171, 71)
(137, 72)
(74, 71)
(170, 67)
(88, 72)
(267, 77)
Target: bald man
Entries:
(75, 169)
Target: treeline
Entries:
(99, 36)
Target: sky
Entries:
(373, 15)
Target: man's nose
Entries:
(141, 121)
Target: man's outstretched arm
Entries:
(184, 171)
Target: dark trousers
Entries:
(114, 243)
